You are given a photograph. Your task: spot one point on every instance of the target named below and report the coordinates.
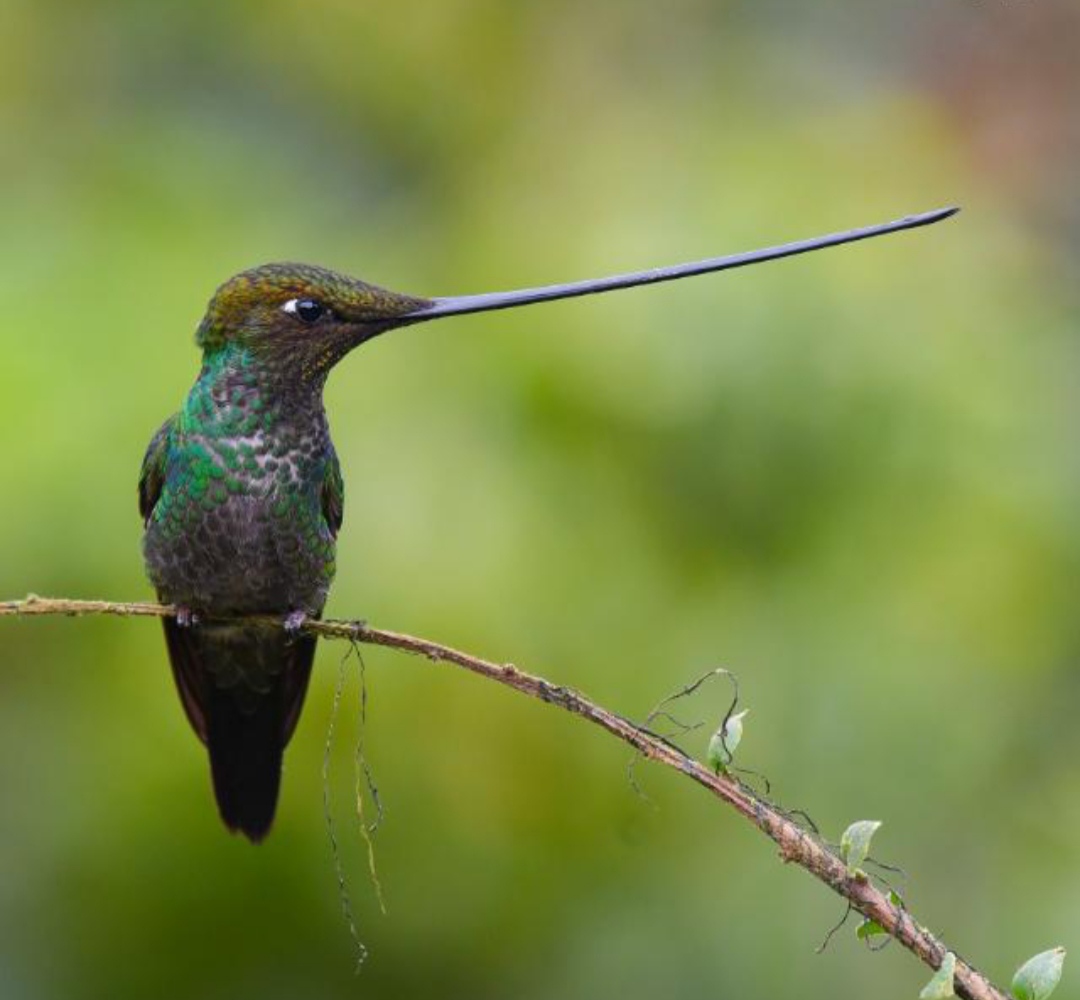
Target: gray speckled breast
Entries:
(246, 554)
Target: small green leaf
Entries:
(724, 742)
(1037, 978)
(868, 929)
(855, 843)
(941, 983)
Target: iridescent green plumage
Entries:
(242, 497)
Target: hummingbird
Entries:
(242, 496)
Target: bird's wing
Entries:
(333, 495)
(152, 473)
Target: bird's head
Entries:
(307, 315)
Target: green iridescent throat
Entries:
(239, 433)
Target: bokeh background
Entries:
(851, 478)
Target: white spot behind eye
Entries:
(290, 306)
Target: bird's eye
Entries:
(307, 309)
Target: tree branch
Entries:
(797, 845)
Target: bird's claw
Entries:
(294, 621)
(185, 617)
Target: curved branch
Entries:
(797, 845)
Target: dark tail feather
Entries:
(242, 689)
(246, 745)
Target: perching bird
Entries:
(242, 495)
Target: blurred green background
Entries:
(851, 478)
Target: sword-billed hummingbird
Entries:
(242, 495)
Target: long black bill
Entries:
(458, 305)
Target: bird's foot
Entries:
(185, 617)
(294, 621)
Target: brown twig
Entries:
(797, 845)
